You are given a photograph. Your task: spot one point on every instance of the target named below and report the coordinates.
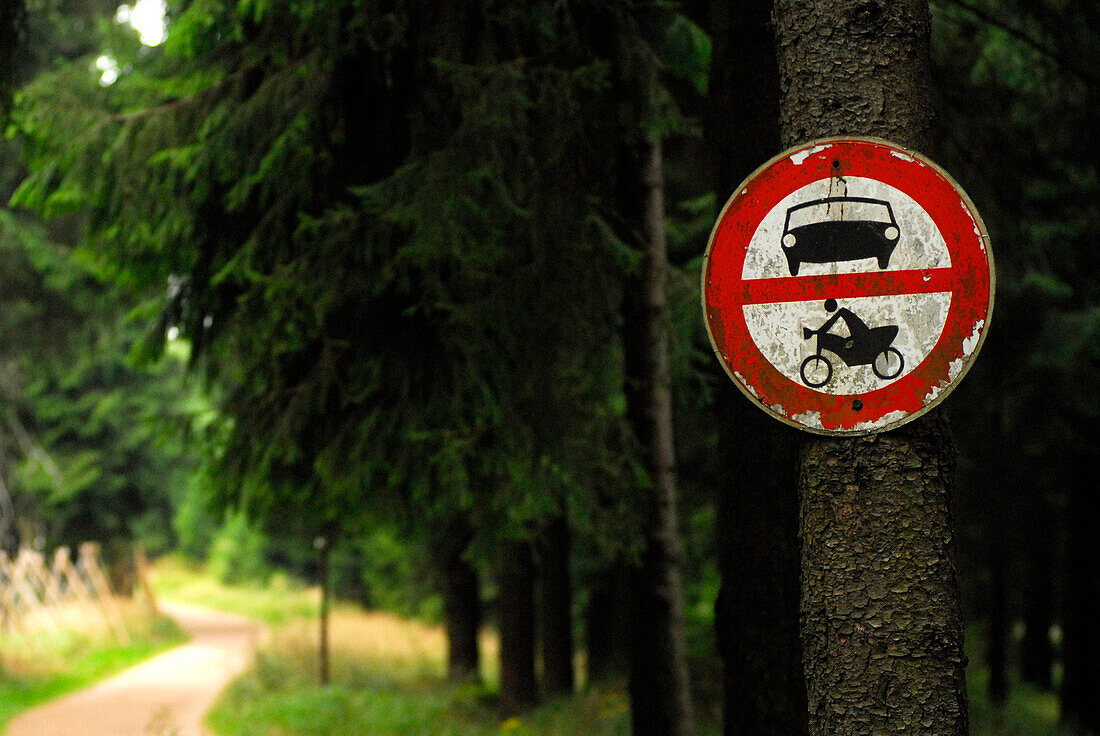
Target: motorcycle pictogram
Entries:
(863, 346)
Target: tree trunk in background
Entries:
(998, 613)
(516, 614)
(1081, 646)
(660, 695)
(556, 608)
(882, 633)
(461, 590)
(608, 625)
(756, 614)
(1037, 654)
(12, 30)
(462, 611)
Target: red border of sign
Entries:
(970, 279)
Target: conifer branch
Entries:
(1057, 57)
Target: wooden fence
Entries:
(63, 594)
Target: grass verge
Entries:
(37, 667)
(275, 602)
(387, 680)
(1028, 711)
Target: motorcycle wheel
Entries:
(884, 365)
(813, 368)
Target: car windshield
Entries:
(839, 209)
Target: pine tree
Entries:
(384, 230)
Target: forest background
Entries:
(368, 272)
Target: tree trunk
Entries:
(556, 609)
(882, 631)
(1036, 653)
(998, 613)
(12, 36)
(462, 612)
(659, 691)
(998, 491)
(516, 613)
(461, 590)
(854, 67)
(756, 614)
(608, 625)
(1081, 646)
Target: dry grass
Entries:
(373, 638)
(364, 644)
(387, 679)
(45, 646)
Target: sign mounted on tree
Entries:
(847, 286)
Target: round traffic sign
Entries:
(847, 286)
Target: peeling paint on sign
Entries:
(971, 343)
(800, 157)
(809, 419)
(892, 417)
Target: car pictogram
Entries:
(836, 229)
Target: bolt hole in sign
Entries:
(847, 286)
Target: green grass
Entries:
(428, 708)
(387, 680)
(34, 669)
(387, 676)
(276, 601)
(1028, 712)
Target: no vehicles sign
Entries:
(847, 286)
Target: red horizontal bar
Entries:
(847, 285)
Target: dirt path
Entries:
(164, 696)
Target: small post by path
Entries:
(322, 546)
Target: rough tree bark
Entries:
(516, 614)
(660, 695)
(881, 628)
(756, 614)
(556, 608)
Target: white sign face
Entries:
(777, 328)
(847, 286)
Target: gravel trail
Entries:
(167, 695)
